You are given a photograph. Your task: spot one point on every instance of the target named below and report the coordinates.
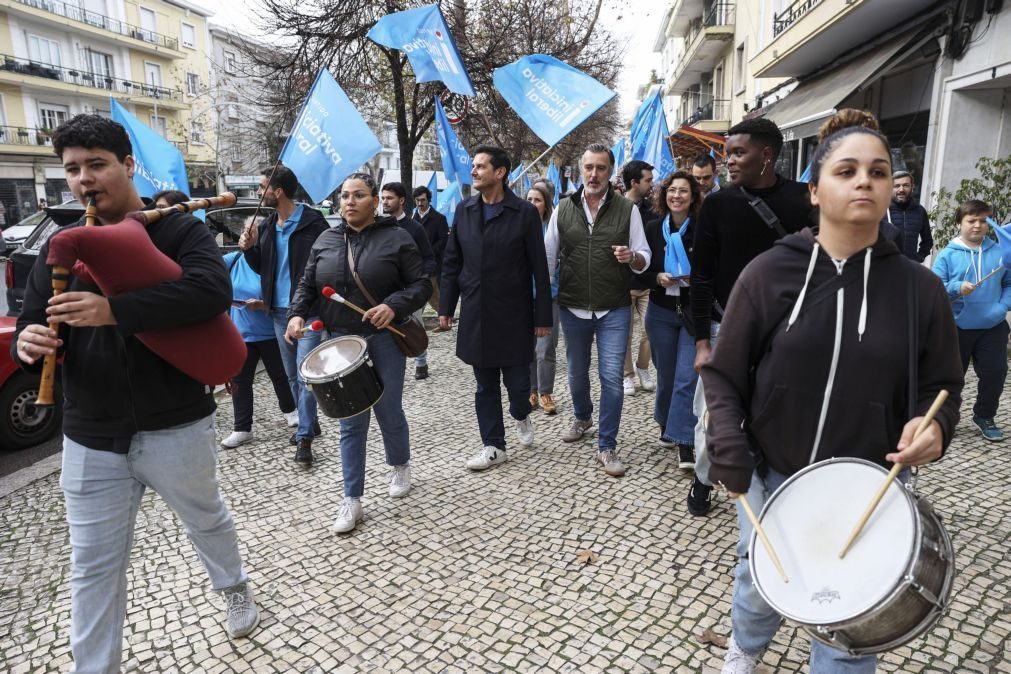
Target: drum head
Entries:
(333, 358)
(808, 521)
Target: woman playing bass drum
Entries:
(389, 267)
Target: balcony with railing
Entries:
(792, 14)
(717, 109)
(157, 41)
(704, 43)
(12, 65)
(19, 135)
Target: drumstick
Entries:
(894, 473)
(977, 284)
(315, 326)
(337, 297)
(742, 499)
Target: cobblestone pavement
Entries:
(474, 572)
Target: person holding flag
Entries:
(542, 368)
(494, 263)
(600, 238)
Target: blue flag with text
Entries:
(423, 35)
(329, 141)
(456, 162)
(549, 95)
(159, 164)
(650, 137)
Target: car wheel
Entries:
(22, 424)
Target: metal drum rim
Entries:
(917, 541)
(352, 365)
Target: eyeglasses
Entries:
(683, 191)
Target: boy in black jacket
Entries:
(132, 421)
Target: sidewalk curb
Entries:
(24, 477)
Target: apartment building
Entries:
(60, 58)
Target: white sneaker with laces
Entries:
(629, 385)
(400, 481)
(525, 431)
(737, 661)
(486, 458)
(350, 514)
(243, 615)
(291, 418)
(237, 438)
(646, 379)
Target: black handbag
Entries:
(414, 339)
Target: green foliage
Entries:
(992, 186)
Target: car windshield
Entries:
(31, 221)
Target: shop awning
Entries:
(803, 110)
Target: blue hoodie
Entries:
(989, 304)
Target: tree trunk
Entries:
(403, 134)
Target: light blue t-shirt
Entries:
(282, 275)
(254, 326)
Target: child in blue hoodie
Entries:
(980, 305)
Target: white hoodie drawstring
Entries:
(803, 290)
(862, 323)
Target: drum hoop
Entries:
(917, 541)
(352, 366)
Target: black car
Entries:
(225, 223)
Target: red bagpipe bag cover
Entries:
(122, 258)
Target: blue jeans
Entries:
(103, 491)
(611, 333)
(488, 400)
(292, 356)
(673, 352)
(754, 621)
(389, 363)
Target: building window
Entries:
(43, 50)
(189, 36)
(196, 133)
(740, 56)
(148, 24)
(51, 115)
(159, 124)
(152, 77)
(230, 62)
(192, 84)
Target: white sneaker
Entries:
(400, 481)
(646, 379)
(737, 661)
(629, 385)
(525, 432)
(350, 514)
(486, 458)
(291, 418)
(237, 438)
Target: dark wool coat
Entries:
(492, 268)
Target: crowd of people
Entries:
(816, 331)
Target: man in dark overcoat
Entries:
(494, 260)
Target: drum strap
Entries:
(914, 350)
(354, 274)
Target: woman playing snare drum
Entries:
(813, 360)
(389, 266)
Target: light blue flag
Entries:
(329, 140)
(423, 35)
(555, 178)
(619, 155)
(160, 165)
(449, 199)
(805, 177)
(1003, 240)
(552, 97)
(433, 187)
(527, 183)
(716, 174)
(456, 162)
(650, 137)
(515, 173)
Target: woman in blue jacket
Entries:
(980, 305)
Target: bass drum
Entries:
(891, 586)
(340, 375)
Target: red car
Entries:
(22, 424)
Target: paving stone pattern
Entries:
(474, 572)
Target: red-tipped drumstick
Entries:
(332, 294)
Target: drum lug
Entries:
(925, 593)
(836, 638)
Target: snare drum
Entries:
(341, 376)
(893, 583)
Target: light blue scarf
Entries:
(675, 261)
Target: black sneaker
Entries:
(421, 372)
(304, 452)
(686, 457)
(316, 432)
(988, 428)
(700, 498)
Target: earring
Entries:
(764, 166)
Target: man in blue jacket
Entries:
(910, 218)
(981, 304)
(278, 250)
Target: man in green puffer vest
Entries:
(598, 234)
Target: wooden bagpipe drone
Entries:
(122, 258)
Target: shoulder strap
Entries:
(914, 321)
(764, 212)
(354, 273)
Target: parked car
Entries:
(14, 235)
(22, 424)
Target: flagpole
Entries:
(524, 171)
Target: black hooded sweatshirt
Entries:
(799, 333)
